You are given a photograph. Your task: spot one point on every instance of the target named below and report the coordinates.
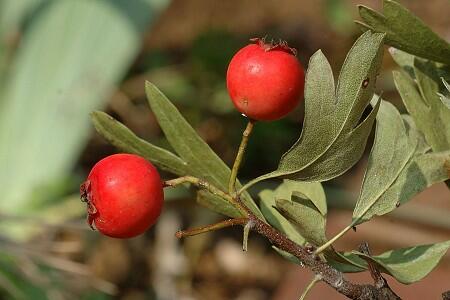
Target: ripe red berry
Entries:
(265, 81)
(124, 195)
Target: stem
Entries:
(223, 224)
(325, 272)
(334, 239)
(309, 287)
(206, 186)
(240, 154)
(248, 185)
(328, 274)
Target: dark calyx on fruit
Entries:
(274, 45)
(85, 194)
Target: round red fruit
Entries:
(124, 195)
(265, 81)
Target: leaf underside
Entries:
(298, 209)
(405, 31)
(398, 166)
(409, 265)
(333, 138)
(420, 91)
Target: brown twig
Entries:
(325, 272)
(309, 256)
(328, 274)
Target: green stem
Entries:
(211, 227)
(309, 287)
(239, 156)
(334, 239)
(206, 186)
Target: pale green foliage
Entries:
(410, 264)
(398, 166)
(405, 31)
(276, 219)
(298, 209)
(201, 161)
(304, 205)
(124, 139)
(392, 149)
(332, 139)
(422, 100)
(310, 190)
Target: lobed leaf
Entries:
(124, 139)
(276, 219)
(332, 139)
(398, 166)
(405, 31)
(305, 217)
(297, 209)
(409, 265)
(310, 190)
(201, 161)
(391, 151)
(422, 100)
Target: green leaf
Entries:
(276, 219)
(217, 204)
(391, 151)
(305, 217)
(311, 190)
(409, 265)
(298, 209)
(201, 161)
(420, 173)
(430, 114)
(405, 31)
(288, 256)
(308, 194)
(124, 139)
(332, 139)
(67, 63)
(346, 262)
(398, 166)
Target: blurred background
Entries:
(62, 59)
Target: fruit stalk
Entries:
(237, 162)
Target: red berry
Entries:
(265, 81)
(124, 194)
